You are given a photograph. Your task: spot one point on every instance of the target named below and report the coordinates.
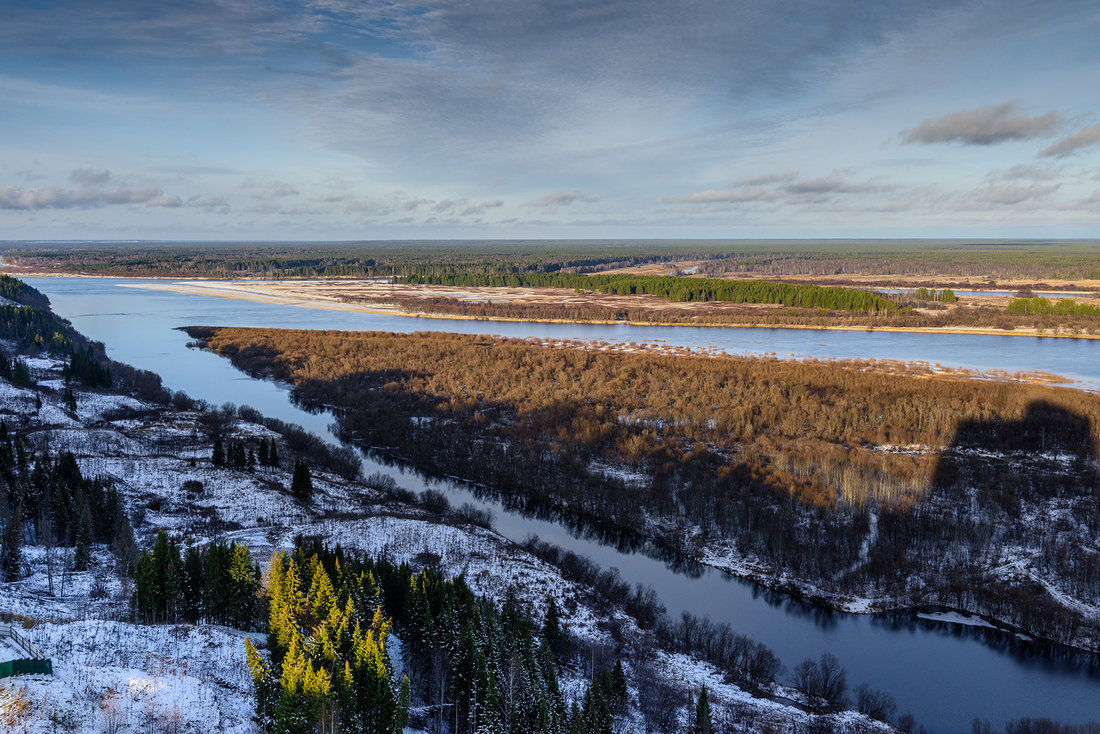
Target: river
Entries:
(945, 674)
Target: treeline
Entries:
(35, 328)
(1044, 306)
(945, 295)
(469, 666)
(675, 288)
(350, 260)
(15, 290)
(216, 584)
(1001, 260)
(784, 461)
(724, 313)
(46, 500)
(766, 258)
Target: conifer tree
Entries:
(265, 687)
(273, 455)
(83, 551)
(553, 631)
(301, 484)
(193, 583)
(70, 400)
(11, 553)
(218, 458)
(701, 722)
(262, 458)
(244, 585)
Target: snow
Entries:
(956, 618)
(195, 677)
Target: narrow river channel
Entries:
(944, 674)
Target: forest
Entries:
(679, 289)
(1077, 321)
(985, 259)
(465, 662)
(900, 485)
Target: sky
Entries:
(340, 120)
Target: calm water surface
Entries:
(943, 674)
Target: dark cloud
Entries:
(53, 197)
(985, 126)
(1084, 138)
(564, 198)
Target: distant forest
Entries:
(989, 260)
(904, 486)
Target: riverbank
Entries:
(371, 296)
(246, 291)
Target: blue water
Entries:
(942, 674)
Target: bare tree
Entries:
(824, 682)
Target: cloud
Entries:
(564, 198)
(833, 186)
(790, 189)
(210, 203)
(88, 177)
(767, 178)
(721, 196)
(53, 197)
(269, 190)
(984, 126)
(1027, 172)
(1008, 196)
(170, 202)
(1070, 144)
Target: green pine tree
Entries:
(301, 484)
(701, 722)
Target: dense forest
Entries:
(904, 487)
(679, 289)
(465, 664)
(46, 500)
(988, 260)
(348, 260)
(1078, 320)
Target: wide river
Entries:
(944, 674)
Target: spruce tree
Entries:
(83, 551)
(218, 459)
(262, 458)
(273, 455)
(11, 552)
(265, 687)
(701, 722)
(244, 584)
(301, 485)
